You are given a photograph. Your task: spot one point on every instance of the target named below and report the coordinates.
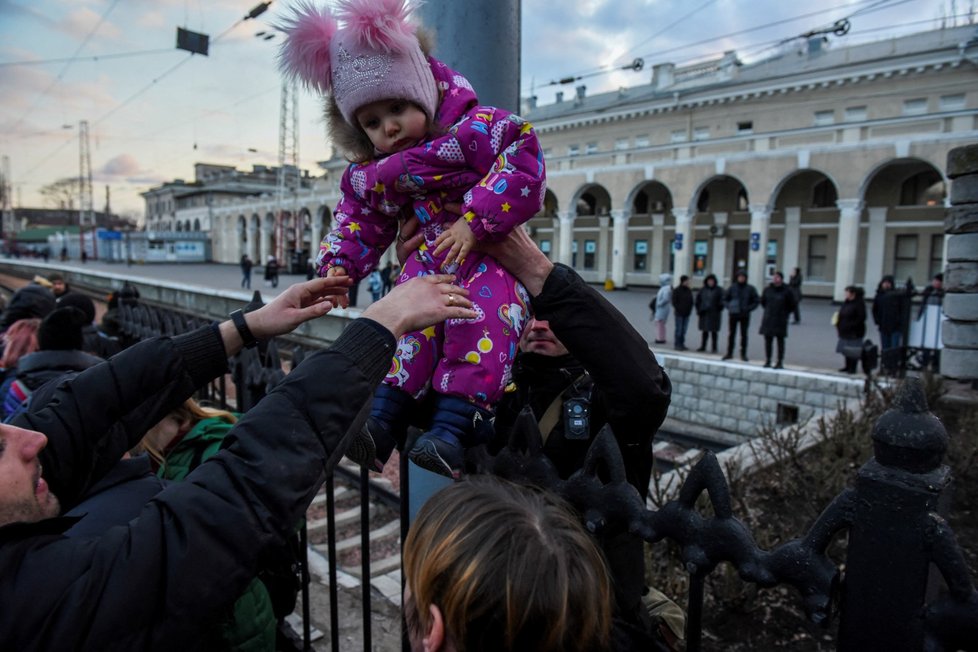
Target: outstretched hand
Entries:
(298, 304)
(421, 302)
(521, 256)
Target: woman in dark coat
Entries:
(709, 305)
(851, 328)
(778, 303)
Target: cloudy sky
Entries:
(153, 110)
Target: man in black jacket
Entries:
(155, 583)
(740, 300)
(579, 350)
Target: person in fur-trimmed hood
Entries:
(421, 145)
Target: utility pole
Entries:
(8, 227)
(86, 212)
(288, 162)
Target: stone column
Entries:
(554, 239)
(719, 250)
(875, 247)
(316, 235)
(619, 245)
(960, 332)
(601, 265)
(266, 240)
(791, 247)
(847, 247)
(760, 222)
(566, 236)
(657, 255)
(683, 261)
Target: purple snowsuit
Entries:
(491, 162)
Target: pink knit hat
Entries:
(375, 55)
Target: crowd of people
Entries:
(780, 306)
(133, 518)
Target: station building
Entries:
(829, 159)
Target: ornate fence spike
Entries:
(908, 436)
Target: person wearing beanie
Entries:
(93, 341)
(740, 300)
(421, 145)
(59, 340)
(32, 300)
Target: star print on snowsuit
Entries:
(491, 162)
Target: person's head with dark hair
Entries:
(741, 276)
(58, 285)
(710, 277)
(683, 280)
(777, 278)
(32, 300)
(61, 330)
(490, 565)
(80, 301)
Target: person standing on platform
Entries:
(709, 306)
(246, 265)
(851, 327)
(778, 302)
(890, 310)
(794, 284)
(740, 300)
(271, 271)
(661, 306)
(682, 301)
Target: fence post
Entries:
(888, 556)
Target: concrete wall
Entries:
(736, 400)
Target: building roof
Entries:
(812, 62)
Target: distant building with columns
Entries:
(826, 159)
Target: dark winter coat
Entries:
(709, 305)
(852, 319)
(682, 301)
(794, 284)
(157, 583)
(779, 303)
(890, 310)
(740, 299)
(630, 392)
(37, 368)
(32, 300)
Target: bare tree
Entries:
(61, 193)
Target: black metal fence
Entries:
(885, 598)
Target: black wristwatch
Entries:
(237, 318)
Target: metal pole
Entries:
(491, 62)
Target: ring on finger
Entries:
(451, 299)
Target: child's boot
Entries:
(384, 430)
(456, 425)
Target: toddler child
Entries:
(420, 142)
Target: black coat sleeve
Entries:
(99, 414)
(633, 386)
(154, 583)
